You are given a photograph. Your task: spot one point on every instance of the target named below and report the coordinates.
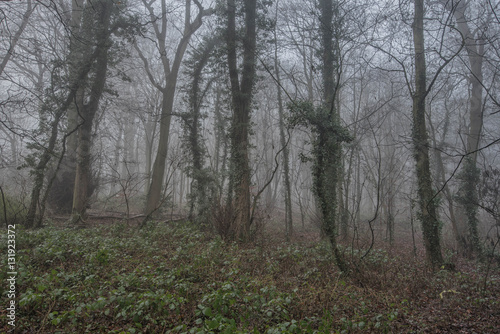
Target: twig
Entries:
(489, 262)
(256, 197)
(4, 207)
(46, 315)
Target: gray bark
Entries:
(83, 165)
(426, 200)
(241, 95)
(168, 90)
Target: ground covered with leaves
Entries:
(173, 278)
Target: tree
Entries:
(97, 31)
(17, 35)
(441, 51)
(300, 30)
(241, 97)
(100, 34)
(200, 199)
(283, 142)
(324, 121)
(167, 90)
(474, 44)
(62, 191)
(64, 92)
(60, 104)
(426, 197)
(329, 151)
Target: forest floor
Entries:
(174, 278)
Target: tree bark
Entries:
(39, 171)
(168, 91)
(283, 141)
(475, 52)
(76, 80)
(426, 198)
(327, 168)
(77, 49)
(285, 159)
(198, 202)
(241, 97)
(150, 126)
(17, 35)
(83, 166)
(61, 195)
(116, 162)
(48, 152)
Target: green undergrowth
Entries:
(12, 210)
(173, 278)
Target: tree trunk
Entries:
(285, 156)
(77, 49)
(158, 172)
(40, 169)
(150, 127)
(458, 227)
(116, 161)
(468, 236)
(83, 166)
(344, 202)
(220, 144)
(168, 91)
(327, 167)
(129, 163)
(61, 195)
(199, 203)
(475, 53)
(76, 79)
(241, 94)
(426, 199)
(390, 213)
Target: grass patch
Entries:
(175, 279)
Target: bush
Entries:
(223, 221)
(13, 209)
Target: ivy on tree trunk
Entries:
(426, 196)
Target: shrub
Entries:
(11, 209)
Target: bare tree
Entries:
(89, 109)
(241, 96)
(170, 71)
(474, 44)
